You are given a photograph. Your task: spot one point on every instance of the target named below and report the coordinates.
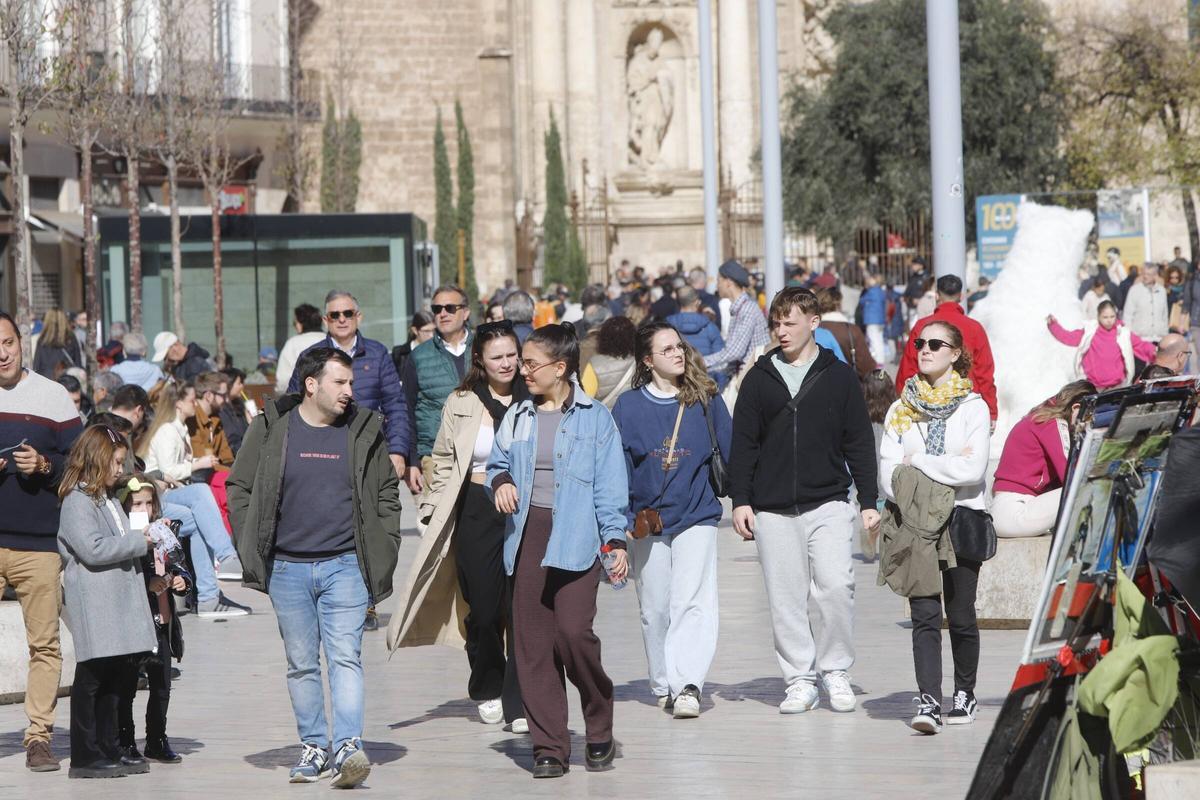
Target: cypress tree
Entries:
(341, 157)
(466, 201)
(445, 219)
(556, 249)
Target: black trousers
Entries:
(479, 553)
(958, 587)
(158, 674)
(95, 698)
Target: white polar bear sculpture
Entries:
(1040, 277)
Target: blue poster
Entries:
(995, 230)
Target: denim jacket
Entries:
(591, 488)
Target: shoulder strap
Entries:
(814, 376)
(670, 457)
(626, 377)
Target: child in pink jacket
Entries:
(1105, 349)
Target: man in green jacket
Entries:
(315, 507)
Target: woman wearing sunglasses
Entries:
(558, 473)
(941, 427)
(675, 560)
(463, 540)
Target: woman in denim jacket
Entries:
(557, 470)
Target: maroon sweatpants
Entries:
(553, 611)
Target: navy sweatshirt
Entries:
(39, 411)
(645, 423)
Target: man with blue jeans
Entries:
(194, 506)
(315, 506)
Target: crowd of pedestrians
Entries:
(550, 447)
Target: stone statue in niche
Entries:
(651, 95)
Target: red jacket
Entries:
(983, 368)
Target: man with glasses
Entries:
(1173, 353)
(38, 425)
(207, 435)
(975, 340)
(433, 370)
(376, 383)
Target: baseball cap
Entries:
(162, 343)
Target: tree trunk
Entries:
(1189, 213)
(133, 187)
(22, 269)
(218, 287)
(91, 283)
(176, 248)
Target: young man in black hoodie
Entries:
(799, 422)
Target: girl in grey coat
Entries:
(105, 602)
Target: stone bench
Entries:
(14, 655)
(1010, 583)
(1178, 781)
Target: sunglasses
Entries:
(501, 326)
(934, 344)
(336, 315)
(449, 308)
(531, 367)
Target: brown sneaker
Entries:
(38, 757)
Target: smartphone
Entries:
(17, 446)
(138, 520)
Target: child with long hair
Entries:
(1104, 348)
(164, 571)
(105, 601)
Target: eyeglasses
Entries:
(487, 328)
(449, 308)
(531, 367)
(934, 344)
(675, 349)
(336, 315)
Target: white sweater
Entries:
(969, 426)
(170, 452)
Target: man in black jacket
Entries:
(800, 420)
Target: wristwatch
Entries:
(43, 466)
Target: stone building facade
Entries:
(621, 77)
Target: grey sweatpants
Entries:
(676, 580)
(805, 558)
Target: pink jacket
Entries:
(1103, 363)
(1034, 460)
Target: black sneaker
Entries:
(929, 715)
(965, 706)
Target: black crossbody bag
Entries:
(718, 470)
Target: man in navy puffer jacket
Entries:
(700, 331)
(376, 383)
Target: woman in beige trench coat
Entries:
(457, 592)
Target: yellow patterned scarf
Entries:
(920, 401)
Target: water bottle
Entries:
(608, 557)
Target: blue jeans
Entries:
(196, 508)
(322, 604)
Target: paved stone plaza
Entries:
(231, 720)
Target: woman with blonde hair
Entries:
(57, 348)
(673, 423)
(167, 451)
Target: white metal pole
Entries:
(712, 252)
(945, 139)
(772, 179)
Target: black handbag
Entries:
(972, 534)
(718, 470)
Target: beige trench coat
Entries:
(432, 608)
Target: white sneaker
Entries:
(841, 694)
(492, 711)
(230, 569)
(520, 725)
(801, 696)
(687, 703)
